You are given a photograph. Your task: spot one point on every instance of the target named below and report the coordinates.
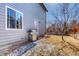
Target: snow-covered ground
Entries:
(40, 49)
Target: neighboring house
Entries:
(17, 18)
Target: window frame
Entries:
(6, 7)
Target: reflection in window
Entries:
(19, 20)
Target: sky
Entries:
(54, 7)
(50, 7)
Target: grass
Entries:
(52, 45)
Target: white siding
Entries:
(30, 11)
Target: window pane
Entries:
(11, 18)
(19, 20)
(8, 18)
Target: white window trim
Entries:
(6, 18)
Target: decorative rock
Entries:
(21, 50)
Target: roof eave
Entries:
(43, 6)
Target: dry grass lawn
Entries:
(53, 45)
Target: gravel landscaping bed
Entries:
(21, 50)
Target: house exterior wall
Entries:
(30, 13)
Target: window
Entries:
(14, 19)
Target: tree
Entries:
(66, 13)
(74, 27)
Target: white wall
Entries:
(31, 12)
